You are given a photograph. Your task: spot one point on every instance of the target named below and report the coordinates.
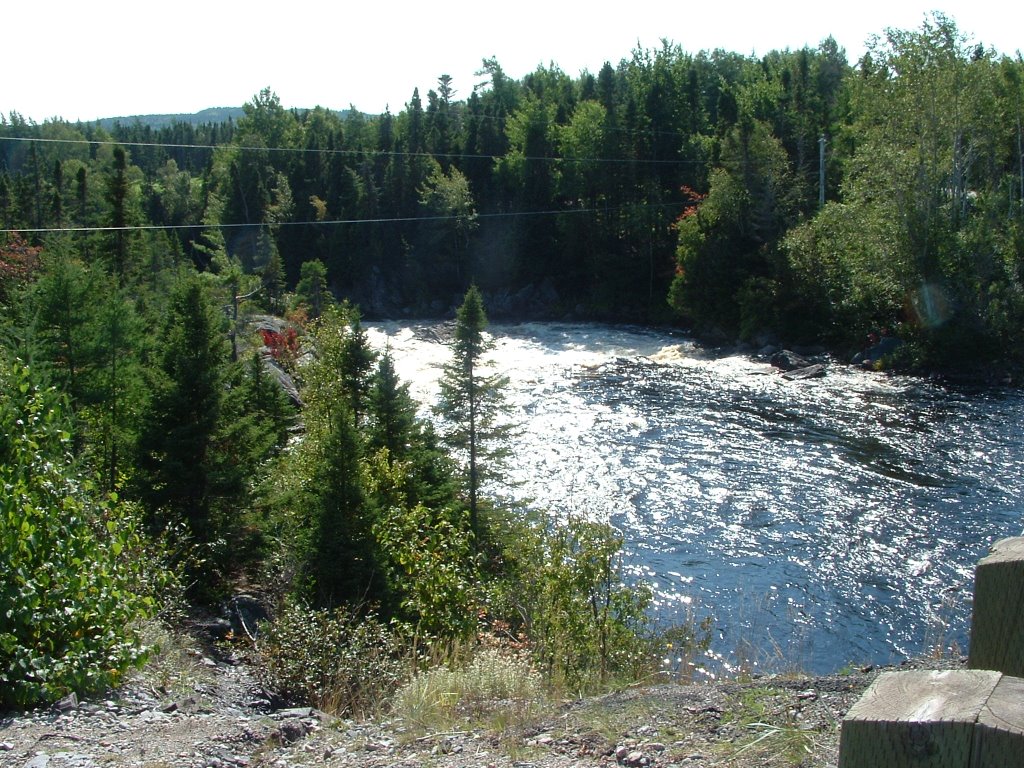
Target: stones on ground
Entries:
(284, 714)
(290, 731)
(68, 703)
(634, 759)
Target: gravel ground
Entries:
(196, 712)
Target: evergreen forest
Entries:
(157, 285)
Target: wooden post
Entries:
(999, 734)
(997, 624)
(916, 719)
(971, 718)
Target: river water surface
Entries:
(820, 523)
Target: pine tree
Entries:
(312, 288)
(341, 559)
(356, 363)
(472, 401)
(255, 414)
(344, 560)
(272, 279)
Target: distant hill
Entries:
(211, 115)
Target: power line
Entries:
(332, 222)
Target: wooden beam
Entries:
(997, 624)
(999, 733)
(916, 719)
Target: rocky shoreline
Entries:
(210, 713)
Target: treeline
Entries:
(695, 177)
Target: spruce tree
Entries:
(356, 363)
(472, 401)
(118, 189)
(175, 456)
(312, 290)
(341, 559)
(344, 557)
(391, 409)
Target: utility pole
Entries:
(821, 170)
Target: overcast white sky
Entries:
(112, 58)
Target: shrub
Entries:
(337, 661)
(72, 578)
(587, 627)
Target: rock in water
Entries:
(815, 371)
(788, 360)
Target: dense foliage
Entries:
(73, 582)
(693, 176)
(338, 661)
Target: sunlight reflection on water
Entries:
(819, 522)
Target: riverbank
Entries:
(189, 709)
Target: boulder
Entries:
(787, 360)
(245, 613)
(815, 371)
(283, 379)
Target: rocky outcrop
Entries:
(796, 367)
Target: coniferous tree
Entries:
(340, 558)
(391, 408)
(115, 384)
(58, 193)
(82, 192)
(311, 290)
(345, 567)
(6, 201)
(117, 196)
(272, 278)
(471, 401)
(175, 451)
(253, 425)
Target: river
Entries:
(820, 523)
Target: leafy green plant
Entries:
(427, 554)
(586, 626)
(338, 661)
(72, 580)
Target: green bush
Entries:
(72, 577)
(337, 661)
(586, 626)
